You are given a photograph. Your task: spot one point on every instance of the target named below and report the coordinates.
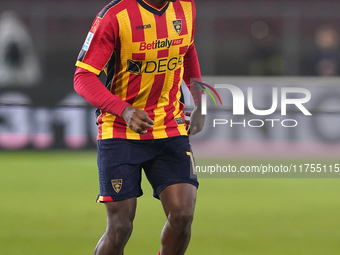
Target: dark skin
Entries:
(178, 200)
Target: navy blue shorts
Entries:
(165, 162)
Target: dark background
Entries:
(225, 42)
(233, 38)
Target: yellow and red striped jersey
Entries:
(142, 49)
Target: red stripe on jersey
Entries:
(155, 92)
(119, 127)
(138, 56)
(136, 21)
(169, 120)
(183, 50)
(161, 26)
(180, 15)
(148, 135)
(133, 88)
(151, 103)
(163, 53)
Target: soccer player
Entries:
(146, 48)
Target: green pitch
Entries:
(48, 207)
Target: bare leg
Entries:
(120, 217)
(179, 203)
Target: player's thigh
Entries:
(119, 170)
(121, 212)
(173, 164)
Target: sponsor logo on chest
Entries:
(160, 44)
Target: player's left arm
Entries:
(192, 73)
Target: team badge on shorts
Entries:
(177, 25)
(117, 184)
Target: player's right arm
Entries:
(93, 91)
(92, 59)
(90, 87)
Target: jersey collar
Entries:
(152, 9)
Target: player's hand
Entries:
(137, 119)
(196, 121)
(187, 122)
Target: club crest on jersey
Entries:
(117, 184)
(177, 25)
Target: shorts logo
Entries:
(177, 25)
(117, 184)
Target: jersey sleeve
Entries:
(193, 21)
(90, 87)
(99, 44)
(192, 71)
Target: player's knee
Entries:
(181, 220)
(119, 230)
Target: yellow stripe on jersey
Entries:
(107, 126)
(147, 79)
(88, 67)
(171, 15)
(187, 8)
(132, 135)
(168, 82)
(149, 34)
(160, 113)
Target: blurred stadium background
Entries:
(48, 176)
